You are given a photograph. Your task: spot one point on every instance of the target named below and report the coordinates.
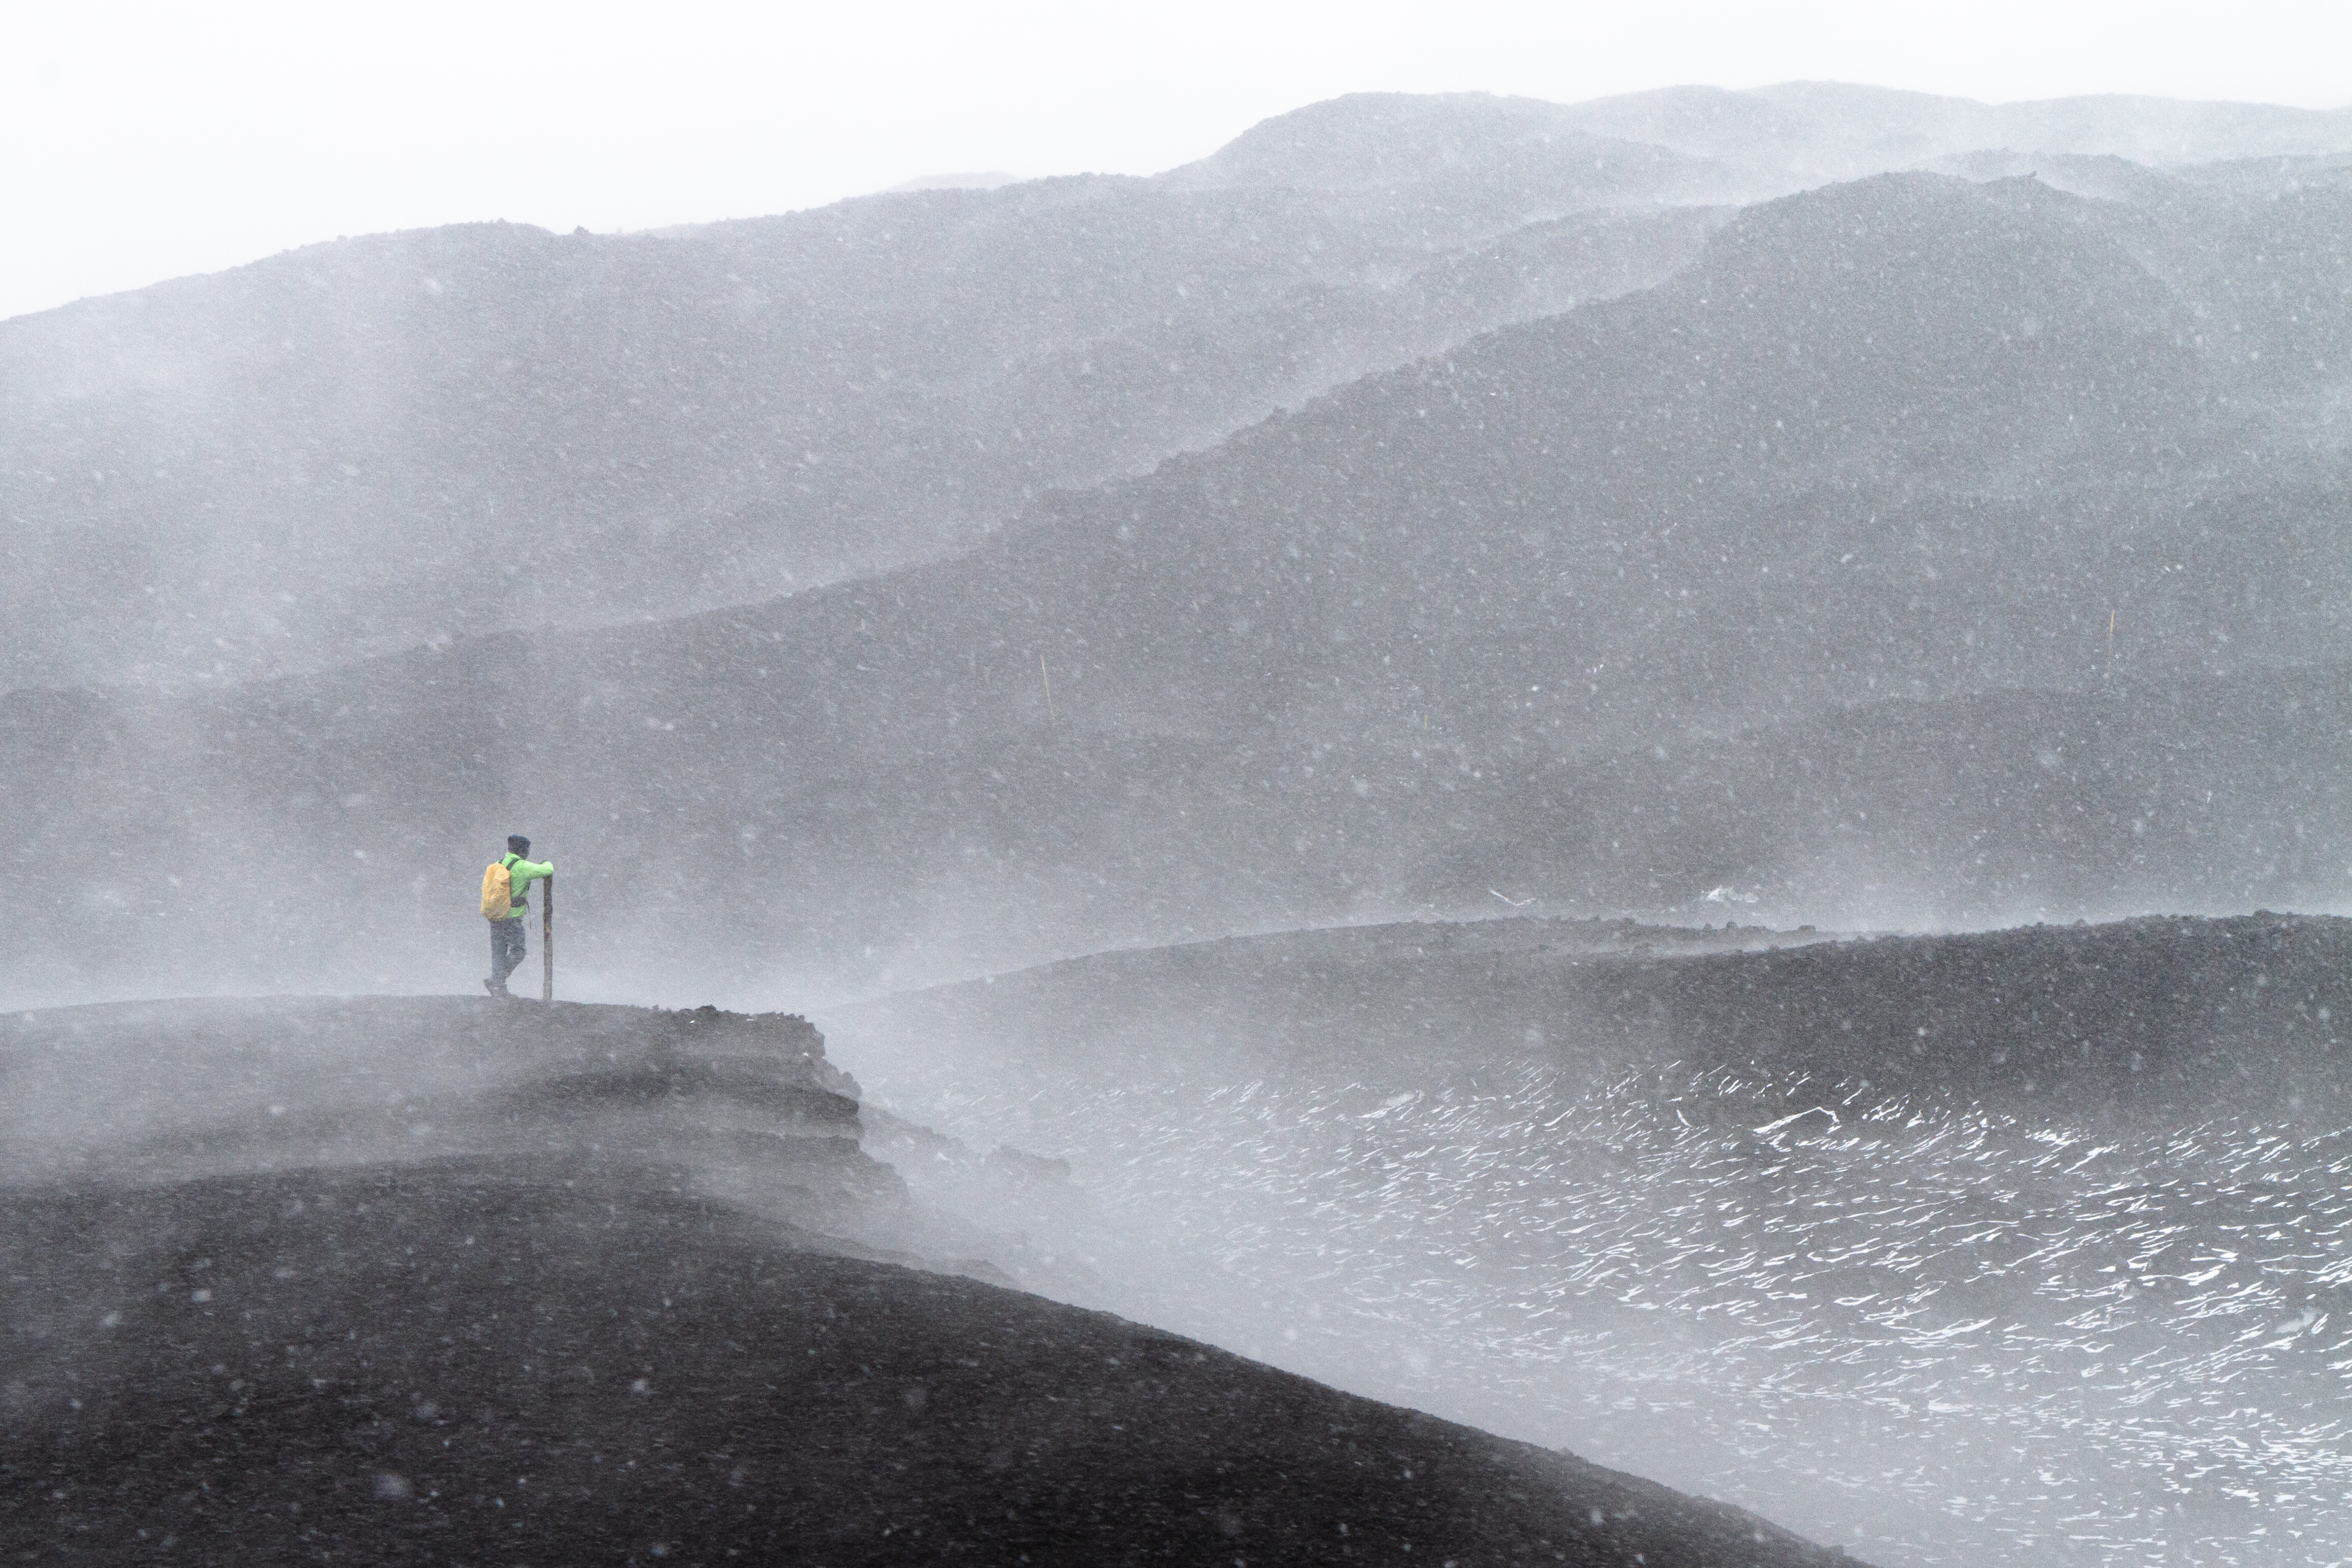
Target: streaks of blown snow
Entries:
(2039, 1344)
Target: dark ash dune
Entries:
(2063, 1279)
(577, 1322)
(2153, 1021)
(439, 1364)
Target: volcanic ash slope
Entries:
(2016, 1248)
(427, 1281)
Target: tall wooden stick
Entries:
(547, 941)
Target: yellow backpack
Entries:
(498, 891)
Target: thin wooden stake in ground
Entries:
(547, 942)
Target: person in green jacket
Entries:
(507, 935)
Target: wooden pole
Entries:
(547, 941)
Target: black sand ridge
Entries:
(2164, 1021)
(557, 1356)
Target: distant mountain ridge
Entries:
(1921, 547)
(1759, 142)
(375, 444)
(387, 440)
(1847, 129)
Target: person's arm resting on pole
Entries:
(524, 872)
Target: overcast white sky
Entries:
(145, 141)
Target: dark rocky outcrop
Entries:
(149, 1092)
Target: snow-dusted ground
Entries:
(1933, 1334)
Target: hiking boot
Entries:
(496, 989)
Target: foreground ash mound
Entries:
(425, 1281)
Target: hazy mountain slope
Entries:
(1921, 456)
(1748, 144)
(1479, 148)
(2262, 267)
(2278, 282)
(331, 834)
(1567, 613)
(375, 443)
(370, 444)
(1817, 131)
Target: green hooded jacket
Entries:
(521, 873)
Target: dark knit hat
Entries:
(517, 845)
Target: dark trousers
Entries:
(505, 949)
